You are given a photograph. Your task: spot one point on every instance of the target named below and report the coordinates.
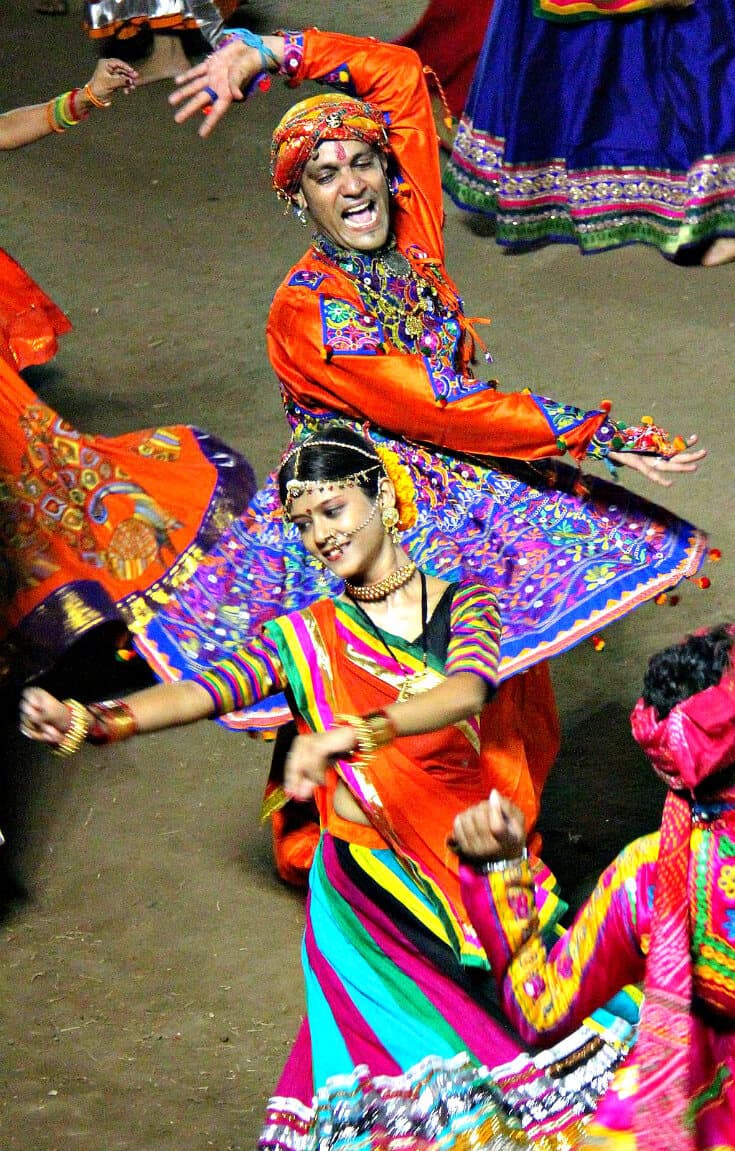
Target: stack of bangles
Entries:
(108, 722)
(372, 731)
(63, 112)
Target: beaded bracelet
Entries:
(253, 40)
(76, 733)
(95, 100)
(112, 721)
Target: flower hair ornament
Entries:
(400, 477)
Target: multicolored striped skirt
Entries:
(402, 1046)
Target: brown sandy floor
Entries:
(150, 980)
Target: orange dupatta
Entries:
(410, 790)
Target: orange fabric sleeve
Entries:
(393, 391)
(392, 78)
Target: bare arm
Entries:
(23, 126)
(47, 719)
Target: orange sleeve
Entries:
(396, 391)
(392, 78)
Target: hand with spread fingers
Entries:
(657, 469)
(226, 75)
(492, 830)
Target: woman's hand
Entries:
(226, 72)
(43, 717)
(493, 829)
(111, 75)
(655, 468)
(309, 757)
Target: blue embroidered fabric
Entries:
(564, 558)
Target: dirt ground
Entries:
(150, 983)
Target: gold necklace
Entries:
(413, 682)
(371, 592)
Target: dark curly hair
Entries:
(344, 455)
(687, 668)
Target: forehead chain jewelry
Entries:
(295, 488)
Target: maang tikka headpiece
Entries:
(295, 488)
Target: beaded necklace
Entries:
(411, 683)
(372, 592)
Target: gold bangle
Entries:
(76, 733)
(372, 732)
(112, 721)
(51, 117)
(95, 100)
(382, 727)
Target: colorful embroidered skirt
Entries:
(29, 320)
(399, 1037)
(604, 133)
(95, 530)
(563, 564)
(712, 1080)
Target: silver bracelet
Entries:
(491, 866)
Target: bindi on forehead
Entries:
(340, 151)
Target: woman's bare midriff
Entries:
(347, 807)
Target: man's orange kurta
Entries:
(393, 388)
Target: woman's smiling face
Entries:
(339, 526)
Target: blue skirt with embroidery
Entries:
(608, 132)
(565, 554)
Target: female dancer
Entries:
(97, 530)
(389, 684)
(600, 123)
(29, 320)
(664, 912)
(93, 530)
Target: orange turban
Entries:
(328, 117)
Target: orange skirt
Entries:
(96, 529)
(29, 320)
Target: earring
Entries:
(393, 184)
(390, 518)
(300, 215)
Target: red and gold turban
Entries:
(327, 117)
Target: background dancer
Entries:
(662, 912)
